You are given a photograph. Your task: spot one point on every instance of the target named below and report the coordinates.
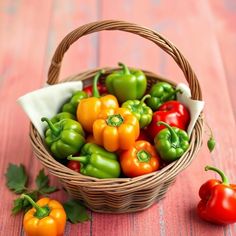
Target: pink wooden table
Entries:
(204, 31)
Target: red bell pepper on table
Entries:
(218, 200)
(173, 113)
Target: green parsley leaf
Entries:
(16, 178)
(75, 211)
(21, 204)
(17, 206)
(42, 182)
(49, 189)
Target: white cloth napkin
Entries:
(195, 107)
(47, 101)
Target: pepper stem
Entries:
(51, 126)
(166, 97)
(41, 212)
(174, 136)
(211, 141)
(95, 83)
(143, 156)
(82, 159)
(125, 68)
(143, 99)
(115, 120)
(224, 178)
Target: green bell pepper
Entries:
(97, 162)
(126, 84)
(161, 92)
(71, 106)
(142, 112)
(171, 142)
(61, 116)
(64, 138)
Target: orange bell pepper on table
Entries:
(89, 108)
(116, 129)
(140, 159)
(46, 218)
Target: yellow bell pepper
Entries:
(89, 108)
(46, 218)
(116, 129)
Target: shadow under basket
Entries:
(119, 195)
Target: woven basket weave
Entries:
(122, 194)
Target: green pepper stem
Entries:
(166, 97)
(143, 156)
(41, 212)
(211, 140)
(51, 126)
(224, 178)
(143, 99)
(115, 120)
(125, 68)
(174, 136)
(82, 159)
(95, 83)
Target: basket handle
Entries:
(167, 46)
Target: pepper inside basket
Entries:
(119, 195)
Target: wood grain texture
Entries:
(204, 31)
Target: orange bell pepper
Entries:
(89, 108)
(140, 159)
(46, 218)
(116, 129)
(90, 139)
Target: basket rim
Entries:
(195, 143)
(120, 25)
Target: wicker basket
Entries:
(122, 194)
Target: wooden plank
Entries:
(224, 26)
(20, 71)
(225, 16)
(67, 16)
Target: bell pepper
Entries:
(101, 88)
(71, 106)
(89, 108)
(140, 159)
(61, 116)
(74, 165)
(90, 139)
(161, 92)
(116, 129)
(97, 162)
(138, 108)
(171, 142)
(144, 136)
(64, 138)
(218, 200)
(173, 113)
(46, 218)
(126, 84)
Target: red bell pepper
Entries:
(173, 113)
(218, 200)
(144, 136)
(74, 165)
(101, 88)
